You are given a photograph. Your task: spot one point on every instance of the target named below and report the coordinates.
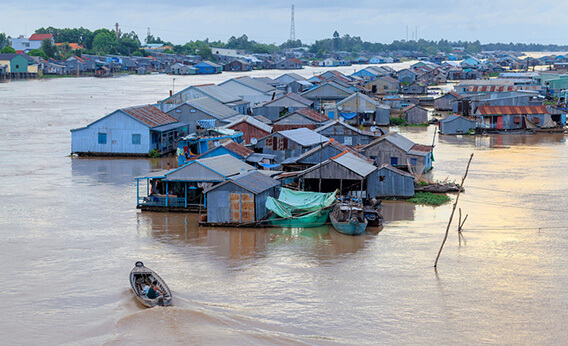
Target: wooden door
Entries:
(500, 123)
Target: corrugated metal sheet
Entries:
(237, 148)
(304, 137)
(310, 113)
(399, 140)
(355, 164)
(251, 121)
(512, 110)
(253, 181)
(253, 83)
(217, 93)
(150, 115)
(226, 165)
(212, 107)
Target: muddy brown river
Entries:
(70, 234)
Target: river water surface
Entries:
(70, 234)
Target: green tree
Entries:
(38, 52)
(8, 50)
(48, 48)
(3, 40)
(104, 43)
(204, 50)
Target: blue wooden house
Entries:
(228, 147)
(289, 143)
(393, 182)
(366, 74)
(129, 131)
(208, 67)
(240, 199)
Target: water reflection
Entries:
(398, 210)
(181, 229)
(503, 140)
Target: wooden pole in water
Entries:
(453, 211)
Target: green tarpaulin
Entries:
(300, 208)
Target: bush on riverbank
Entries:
(429, 198)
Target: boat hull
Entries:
(353, 225)
(139, 277)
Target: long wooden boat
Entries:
(141, 276)
(373, 216)
(348, 219)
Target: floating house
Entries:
(290, 143)
(251, 128)
(129, 131)
(180, 189)
(383, 85)
(208, 67)
(281, 106)
(207, 90)
(228, 147)
(393, 182)
(446, 101)
(399, 151)
(351, 174)
(305, 117)
(240, 199)
(359, 109)
(345, 133)
(514, 117)
(205, 139)
(415, 114)
(457, 125)
(192, 111)
(327, 94)
(319, 154)
(252, 90)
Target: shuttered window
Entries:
(102, 138)
(136, 138)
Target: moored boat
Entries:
(348, 219)
(141, 277)
(373, 216)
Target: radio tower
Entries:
(147, 35)
(292, 29)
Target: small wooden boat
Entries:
(374, 218)
(140, 277)
(348, 219)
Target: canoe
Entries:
(348, 219)
(141, 276)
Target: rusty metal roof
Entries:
(237, 148)
(510, 110)
(310, 113)
(150, 115)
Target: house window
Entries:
(381, 178)
(17, 66)
(394, 161)
(413, 162)
(348, 141)
(136, 138)
(102, 138)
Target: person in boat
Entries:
(154, 291)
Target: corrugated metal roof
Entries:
(212, 107)
(227, 165)
(303, 136)
(217, 93)
(292, 96)
(337, 122)
(250, 120)
(150, 115)
(253, 83)
(399, 140)
(310, 113)
(355, 164)
(511, 110)
(237, 148)
(253, 181)
(257, 157)
(396, 170)
(420, 150)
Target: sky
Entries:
(181, 21)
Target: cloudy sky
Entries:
(267, 21)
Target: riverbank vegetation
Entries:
(429, 198)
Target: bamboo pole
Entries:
(453, 211)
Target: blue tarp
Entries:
(348, 116)
(270, 165)
(206, 123)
